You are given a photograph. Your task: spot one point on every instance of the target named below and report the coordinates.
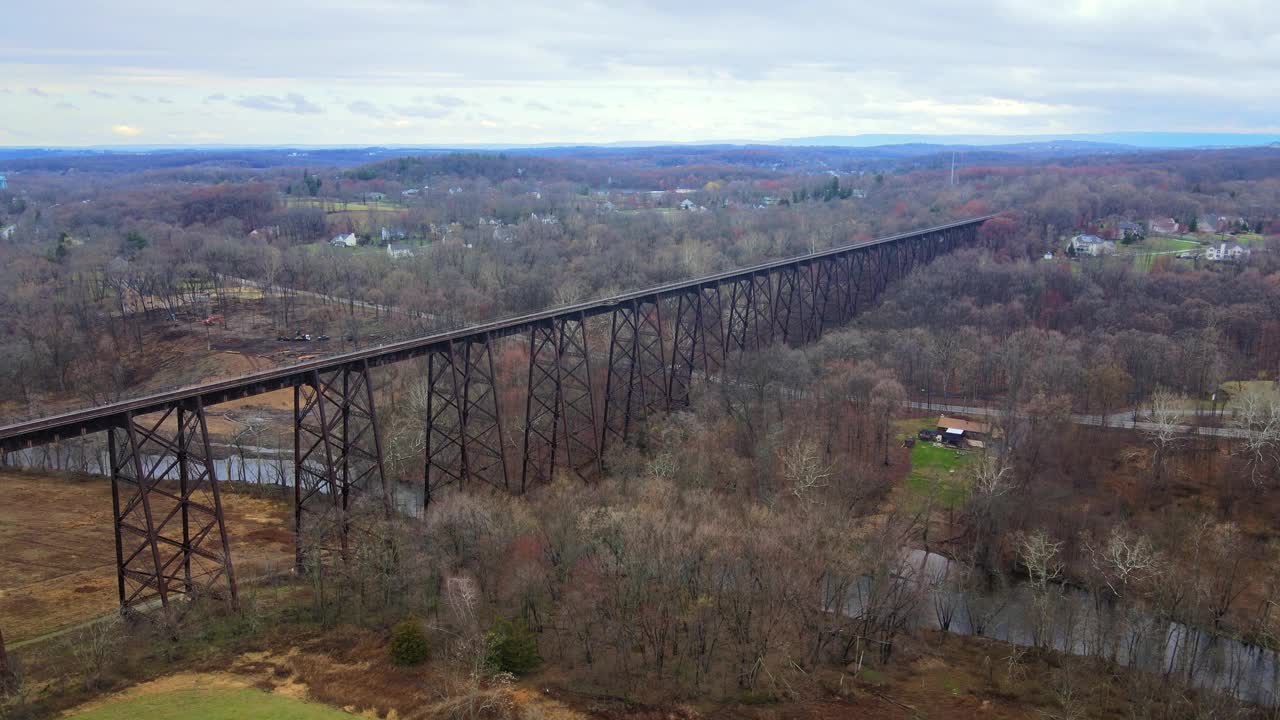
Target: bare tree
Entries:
(803, 469)
(1259, 416)
(1165, 430)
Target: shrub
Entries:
(408, 644)
(513, 648)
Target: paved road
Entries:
(1117, 421)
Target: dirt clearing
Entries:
(58, 564)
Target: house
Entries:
(1164, 226)
(399, 250)
(1091, 245)
(7, 231)
(958, 431)
(375, 197)
(348, 240)
(687, 204)
(1226, 252)
(1048, 255)
(410, 191)
(1126, 230)
(393, 233)
(1212, 224)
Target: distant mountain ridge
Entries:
(1116, 140)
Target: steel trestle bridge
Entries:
(170, 532)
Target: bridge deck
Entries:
(94, 419)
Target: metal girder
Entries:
(483, 448)
(170, 532)
(444, 425)
(762, 305)
(713, 342)
(685, 342)
(560, 403)
(577, 393)
(542, 405)
(337, 455)
(738, 331)
(636, 385)
(786, 286)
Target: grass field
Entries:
(935, 471)
(1161, 243)
(333, 205)
(221, 703)
(938, 471)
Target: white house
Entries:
(687, 204)
(348, 240)
(1091, 245)
(1226, 251)
(400, 250)
(7, 231)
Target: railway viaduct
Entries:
(169, 531)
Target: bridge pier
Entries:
(337, 456)
(560, 412)
(170, 541)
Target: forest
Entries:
(801, 540)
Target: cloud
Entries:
(659, 69)
(164, 101)
(366, 108)
(421, 111)
(5, 91)
(535, 105)
(65, 106)
(37, 92)
(126, 130)
(290, 103)
(99, 93)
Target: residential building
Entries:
(7, 231)
(1164, 226)
(393, 233)
(1091, 245)
(400, 250)
(958, 431)
(347, 240)
(1226, 252)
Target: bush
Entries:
(513, 647)
(408, 644)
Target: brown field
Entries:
(57, 568)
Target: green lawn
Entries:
(939, 472)
(212, 704)
(1159, 243)
(337, 205)
(935, 471)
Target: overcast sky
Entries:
(88, 72)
